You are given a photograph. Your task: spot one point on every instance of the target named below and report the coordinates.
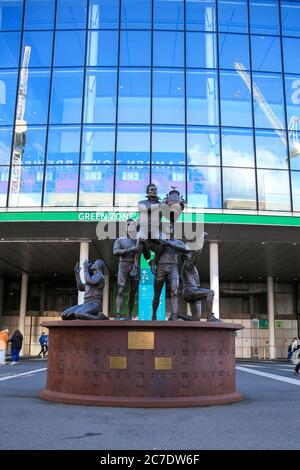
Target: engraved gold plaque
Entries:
(141, 340)
(163, 363)
(117, 362)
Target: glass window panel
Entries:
(96, 185)
(36, 105)
(40, 43)
(10, 50)
(66, 97)
(133, 145)
(134, 97)
(271, 149)
(168, 49)
(100, 96)
(102, 48)
(135, 48)
(39, 14)
(235, 100)
(136, 14)
(264, 18)
(239, 188)
(8, 85)
(201, 50)
(270, 86)
(294, 145)
(31, 184)
(168, 145)
(6, 134)
(69, 48)
(204, 187)
(165, 176)
(168, 14)
(61, 185)
(4, 175)
(63, 145)
(296, 190)
(266, 56)
(292, 90)
(233, 16)
(237, 147)
(98, 144)
(131, 182)
(290, 57)
(290, 17)
(71, 14)
(203, 146)
(273, 190)
(233, 48)
(202, 98)
(168, 97)
(11, 15)
(34, 146)
(201, 15)
(104, 14)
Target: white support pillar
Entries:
(105, 307)
(84, 254)
(23, 306)
(1, 296)
(214, 275)
(271, 317)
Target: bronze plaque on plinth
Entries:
(140, 340)
(117, 362)
(163, 363)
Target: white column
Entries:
(84, 254)
(271, 317)
(214, 275)
(1, 296)
(23, 305)
(105, 307)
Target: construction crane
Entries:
(19, 132)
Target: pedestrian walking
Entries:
(16, 345)
(43, 340)
(3, 345)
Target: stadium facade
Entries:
(100, 97)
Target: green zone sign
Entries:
(263, 324)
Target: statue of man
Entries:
(91, 309)
(125, 249)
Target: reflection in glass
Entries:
(168, 49)
(290, 17)
(204, 187)
(8, 85)
(203, 146)
(11, 15)
(30, 183)
(239, 188)
(292, 90)
(136, 14)
(37, 95)
(233, 48)
(6, 134)
(294, 145)
(270, 86)
(201, 15)
(168, 15)
(102, 48)
(66, 97)
(264, 17)
(10, 50)
(96, 185)
(134, 96)
(166, 176)
(273, 190)
(135, 48)
(271, 150)
(133, 145)
(69, 48)
(71, 14)
(100, 96)
(233, 16)
(131, 182)
(34, 147)
(266, 55)
(98, 144)
(235, 100)
(168, 145)
(201, 50)
(291, 60)
(4, 175)
(39, 14)
(296, 190)
(40, 43)
(202, 98)
(103, 14)
(63, 145)
(61, 185)
(237, 147)
(168, 97)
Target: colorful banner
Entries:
(146, 293)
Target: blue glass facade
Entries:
(100, 97)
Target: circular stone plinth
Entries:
(141, 363)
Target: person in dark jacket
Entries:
(43, 340)
(16, 345)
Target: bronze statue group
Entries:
(145, 237)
